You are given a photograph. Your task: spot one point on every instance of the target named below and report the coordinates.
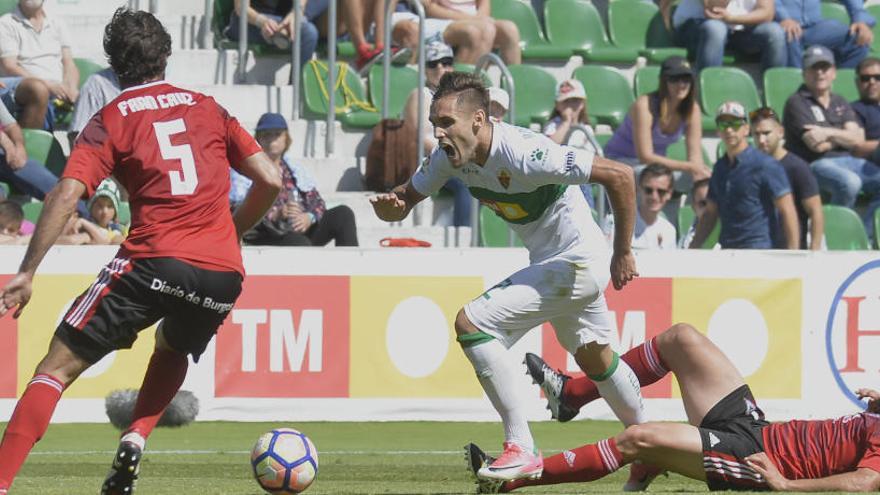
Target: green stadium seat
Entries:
(686, 219)
(403, 81)
(836, 11)
(720, 84)
(32, 210)
(86, 68)
(7, 6)
(876, 228)
(844, 230)
(535, 96)
(678, 151)
(123, 216)
(609, 94)
(779, 84)
(494, 231)
(658, 42)
(534, 44)
(629, 23)
(574, 25)
(874, 10)
(647, 80)
(352, 107)
(4, 190)
(603, 139)
(44, 148)
(845, 84)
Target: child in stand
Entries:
(104, 215)
(11, 217)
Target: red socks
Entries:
(162, 380)
(645, 362)
(587, 463)
(28, 424)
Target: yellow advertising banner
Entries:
(756, 322)
(403, 340)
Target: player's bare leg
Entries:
(488, 356)
(58, 369)
(162, 380)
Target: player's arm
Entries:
(396, 205)
(266, 178)
(860, 480)
(620, 185)
(58, 206)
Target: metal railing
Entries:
(386, 70)
(242, 39)
(601, 203)
(507, 79)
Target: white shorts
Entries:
(570, 295)
(434, 28)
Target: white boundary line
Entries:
(210, 452)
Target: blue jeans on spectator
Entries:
(33, 179)
(309, 35)
(833, 35)
(706, 39)
(462, 200)
(844, 177)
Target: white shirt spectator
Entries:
(99, 89)
(38, 52)
(658, 235)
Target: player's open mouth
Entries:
(448, 149)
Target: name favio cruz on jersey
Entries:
(148, 102)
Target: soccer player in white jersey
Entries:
(525, 177)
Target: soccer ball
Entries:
(285, 461)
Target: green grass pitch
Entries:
(377, 457)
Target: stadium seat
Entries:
(609, 94)
(874, 10)
(32, 210)
(352, 107)
(629, 24)
(86, 68)
(678, 151)
(835, 11)
(603, 139)
(44, 148)
(494, 231)
(535, 98)
(4, 189)
(658, 42)
(7, 6)
(779, 84)
(403, 81)
(720, 84)
(123, 216)
(844, 230)
(845, 84)
(647, 79)
(686, 219)
(575, 25)
(534, 44)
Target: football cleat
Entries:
(124, 472)
(476, 459)
(515, 463)
(551, 382)
(640, 476)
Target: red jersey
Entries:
(817, 449)
(171, 149)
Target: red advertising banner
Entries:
(288, 336)
(8, 341)
(641, 311)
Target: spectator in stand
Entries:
(98, 90)
(438, 61)
(11, 218)
(804, 26)
(298, 217)
(462, 24)
(652, 230)
(699, 200)
(570, 111)
(767, 133)
(867, 108)
(270, 23)
(499, 103)
(746, 26)
(36, 59)
(103, 224)
(658, 119)
(747, 190)
(822, 128)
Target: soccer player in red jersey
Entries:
(727, 444)
(171, 149)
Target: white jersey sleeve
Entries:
(546, 162)
(432, 174)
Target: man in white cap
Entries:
(746, 190)
(499, 103)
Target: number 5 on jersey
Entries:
(183, 182)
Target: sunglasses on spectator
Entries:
(651, 190)
(763, 113)
(869, 77)
(680, 78)
(445, 61)
(730, 124)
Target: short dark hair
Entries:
(700, 183)
(866, 62)
(468, 86)
(655, 170)
(137, 46)
(10, 212)
(763, 113)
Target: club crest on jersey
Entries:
(504, 178)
